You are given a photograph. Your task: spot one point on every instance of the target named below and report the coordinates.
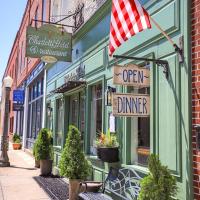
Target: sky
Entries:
(11, 13)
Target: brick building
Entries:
(195, 30)
(21, 68)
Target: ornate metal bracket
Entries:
(161, 63)
(77, 16)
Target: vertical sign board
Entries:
(18, 96)
(130, 105)
(18, 100)
(48, 43)
(131, 75)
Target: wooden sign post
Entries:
(131, 75)
(129, 105)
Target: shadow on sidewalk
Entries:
(27, 168)
(54, 186)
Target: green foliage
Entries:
(159, 184)
(15, 138)
(73, 163)
(43, 147)
(18, 141)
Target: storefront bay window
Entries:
(96, 115)
(35, 108)
(59, 122)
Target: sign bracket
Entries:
(77, 16)
(160, 63)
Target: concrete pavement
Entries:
(16, 182)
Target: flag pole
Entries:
(177, 49)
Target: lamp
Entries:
(7, 82)
(109, 92)
(49, 110)
(4, 160)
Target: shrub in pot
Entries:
(16, 142)
(44, 151)
(108, 147)
(35, 154)
(73, 163)
(159, 184)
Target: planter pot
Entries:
(99, 152)
(109, 155)
(37, 163)
(46, 167)
(17, 146)
(74, 189)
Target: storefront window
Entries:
(74, 111)
(96, 115)
(35, 109)
(59, 122)
(82, 116)
(140, 135)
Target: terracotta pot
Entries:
(109, 155)
(37, 163)
(17, 146)
(74, 189)
(46, 167)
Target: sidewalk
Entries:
(16, 182)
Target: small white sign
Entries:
(112, 123)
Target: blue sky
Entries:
(11, 13)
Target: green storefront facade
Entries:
(166, 132)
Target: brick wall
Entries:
(195, 31)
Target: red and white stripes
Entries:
(128, 18)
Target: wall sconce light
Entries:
(109, 93)
(49, 111)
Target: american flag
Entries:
(128, 18)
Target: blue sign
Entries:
(18, 96)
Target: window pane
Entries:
(140, 135)
(74, 111)
(96, 115)
(33, 120)
(82, 116)
(59, 123)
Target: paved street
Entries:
(16, 182)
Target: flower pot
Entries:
(17, 146)
(99, 152)
(109, 155)
(46, 167)
(37, 163)
(74, 189)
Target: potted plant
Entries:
(44, 151)
(16, 142)
(108, 147)
(73, 163)
(159, 184)
(35, 154)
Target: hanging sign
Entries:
(131, 75)
(131, 105)
(18, 106)
(48, 43)
(18, 96)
